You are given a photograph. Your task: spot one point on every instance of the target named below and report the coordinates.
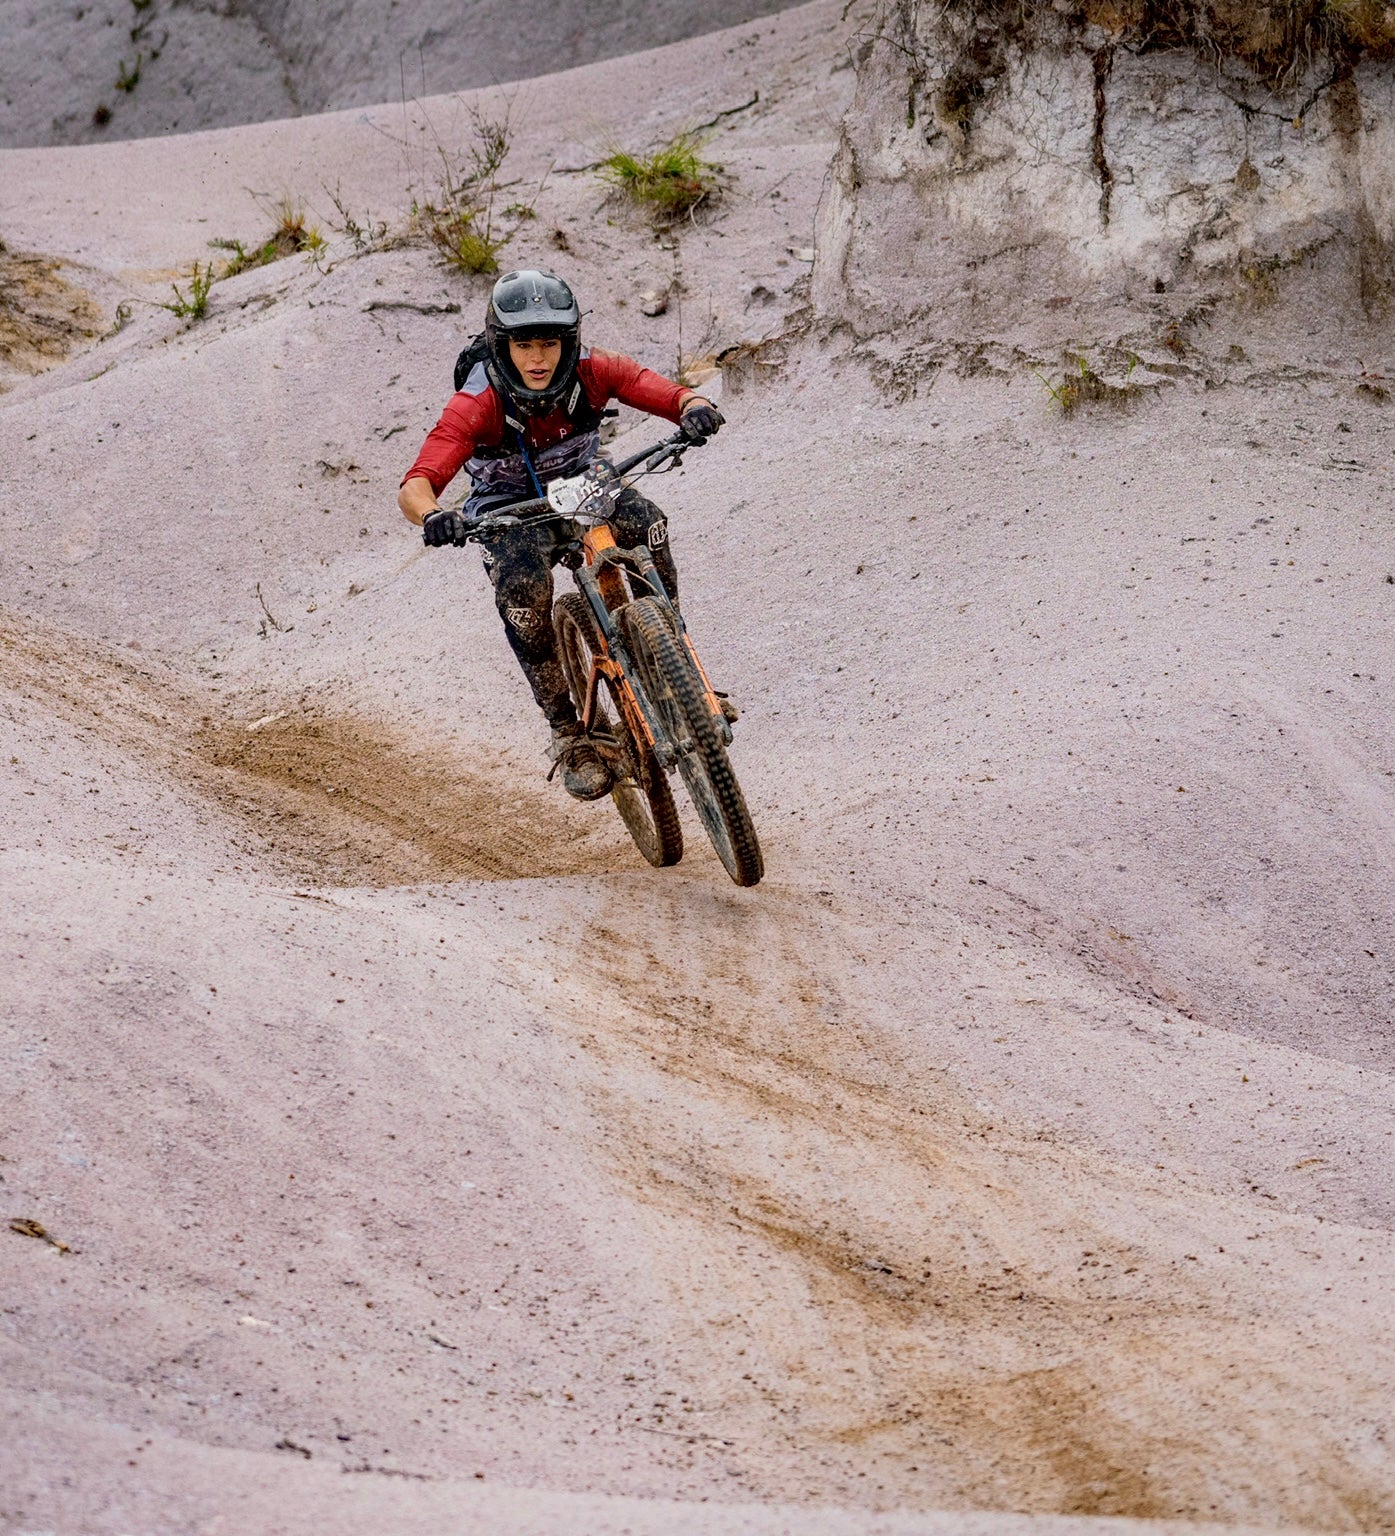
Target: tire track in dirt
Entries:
(328, 796)
(872, 1273)
(351, 803)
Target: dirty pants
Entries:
(519, 562)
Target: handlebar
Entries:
(539, 509)
(672, 447)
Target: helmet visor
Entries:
(533, 300)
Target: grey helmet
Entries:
(525, 306)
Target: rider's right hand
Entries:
(443, 527)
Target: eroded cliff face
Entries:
(1196, 202)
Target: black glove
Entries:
(442, 527)
(700, 419)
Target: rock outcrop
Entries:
(1200, 188)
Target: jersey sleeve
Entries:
(467, 421)
(613, 376)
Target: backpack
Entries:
(476, 352)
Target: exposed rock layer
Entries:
(1057, 183)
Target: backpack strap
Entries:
(515, 422)
(583, 416)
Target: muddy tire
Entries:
(641, 792)
(676, 691)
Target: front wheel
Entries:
(676, 690)
(640, 792)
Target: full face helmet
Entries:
(527, 306)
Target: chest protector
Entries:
(500, 470)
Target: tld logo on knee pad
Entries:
(658, 534)
(526, 621)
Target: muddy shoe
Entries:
(730, 713)
(584, 775)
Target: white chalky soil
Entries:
(1016, 1155)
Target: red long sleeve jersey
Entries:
(471, 421)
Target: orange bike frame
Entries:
(612, 588)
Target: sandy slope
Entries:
(1022, 1144)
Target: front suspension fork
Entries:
(645, 568)
(633, 700)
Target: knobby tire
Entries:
(676, 690)
(641, 792)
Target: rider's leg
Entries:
(636, 520)
(519, 563)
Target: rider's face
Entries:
(536, 359)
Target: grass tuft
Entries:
(194, 304)
(365, 234)
(1082, 385)
(460, 217)
(464, 245)
(670, 182)
(290, 236)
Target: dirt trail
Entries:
(329, 797)
(910, 1292)
(1019, 1146)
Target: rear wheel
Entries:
(676, 691)
(641, 791)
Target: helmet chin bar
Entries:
(563, 377)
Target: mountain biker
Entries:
(528, 413)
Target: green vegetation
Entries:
(670, 182)
(366, 234)
(290, 236)
(462, 243)
(460, 218)
(1082, 385)
(194, 304)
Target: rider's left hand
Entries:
(700, 419)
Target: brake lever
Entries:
(673, 452)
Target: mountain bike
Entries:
(640, 689)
